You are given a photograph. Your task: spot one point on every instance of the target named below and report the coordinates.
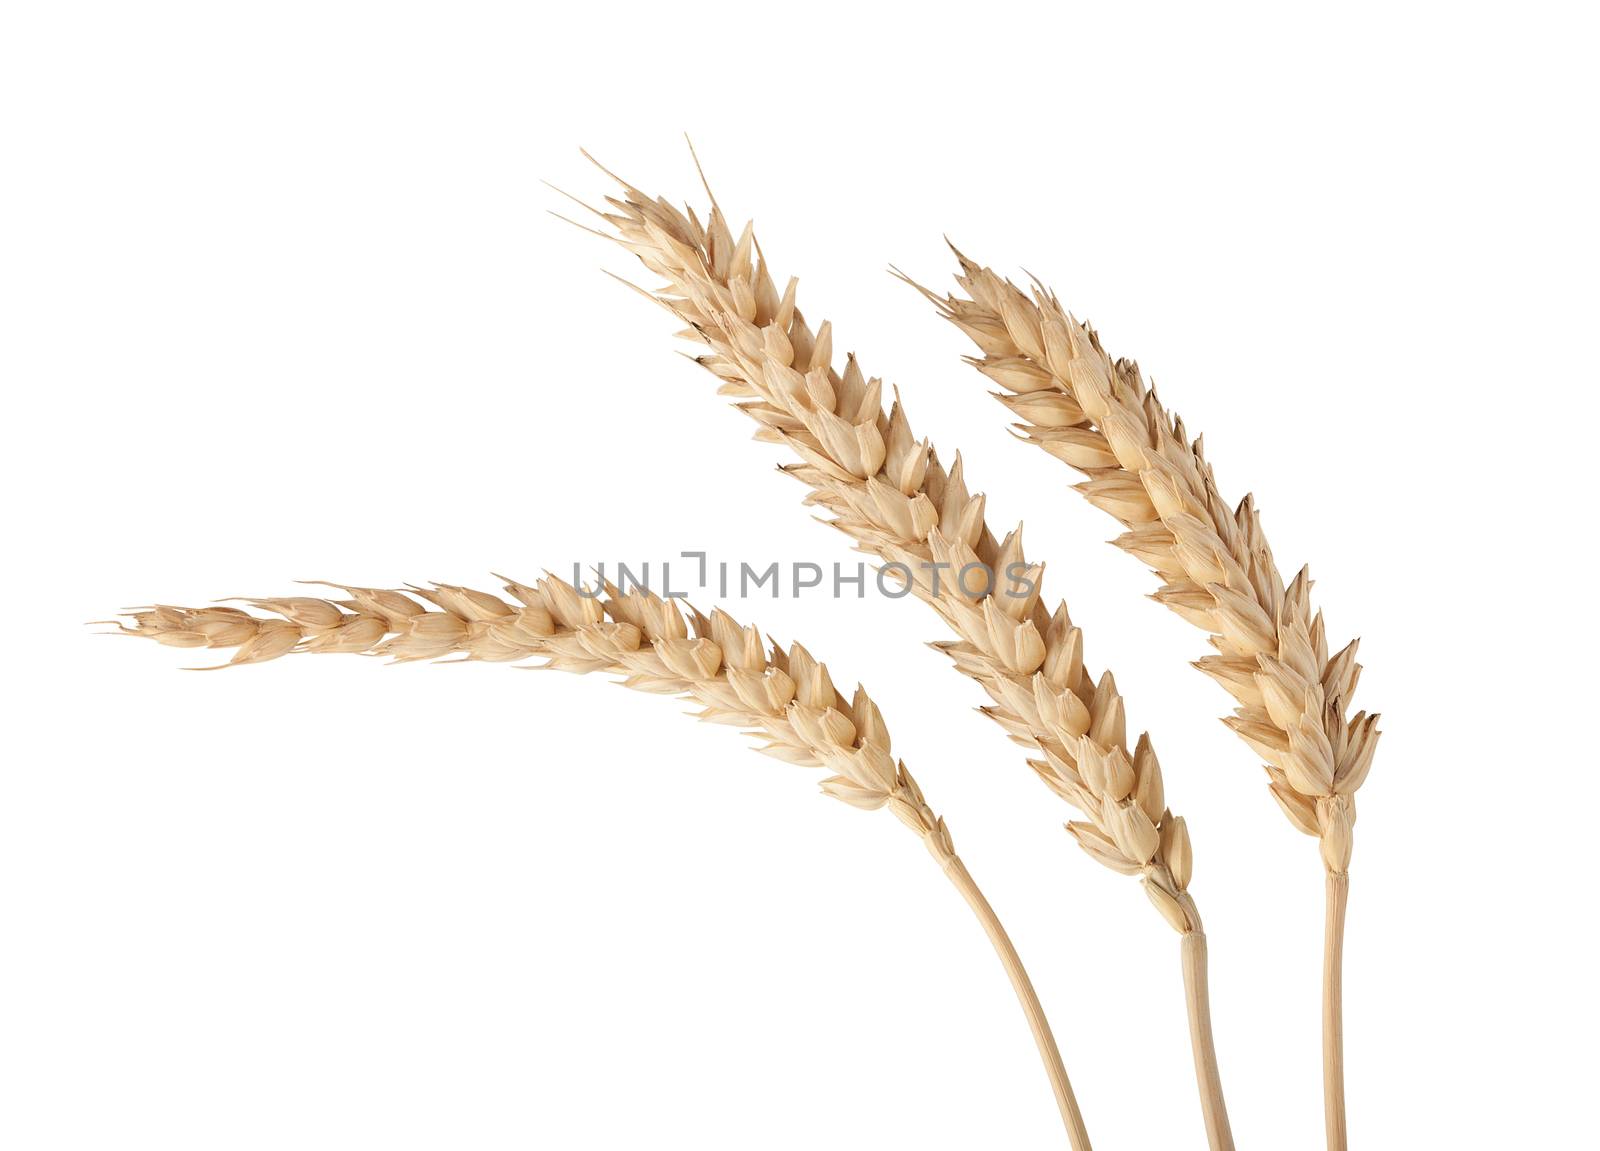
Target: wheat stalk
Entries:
(887, 490)
(785, 697)
(1097, 415)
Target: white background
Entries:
(281, 300)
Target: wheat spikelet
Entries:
(1095, 414)
(786, 697)
(887, 490)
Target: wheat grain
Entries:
(1292, 696)
(888, 491)
(785, 696)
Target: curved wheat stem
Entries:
(1097, 415)
(1338, 894)
(887, 490)
(785, 697)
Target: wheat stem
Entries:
(784, 696)
(1037, 1023)
(1338, 894)
(1197, 994)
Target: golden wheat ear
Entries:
(1293, 698)
(783, 696)
(887, 490)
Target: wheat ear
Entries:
(1097, 415)
(785, 697)
(887, 491)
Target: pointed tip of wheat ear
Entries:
(589, 156)
(926, 292)
(575, 224)
(966, 262)
(582, 203)
(701, 172)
